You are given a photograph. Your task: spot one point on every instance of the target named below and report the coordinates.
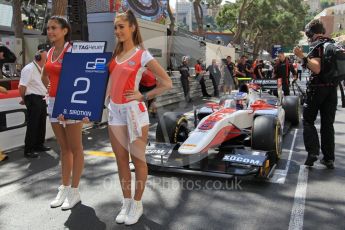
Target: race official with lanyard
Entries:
(321, 96)
(33, 91)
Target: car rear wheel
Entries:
(291, 105)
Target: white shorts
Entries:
(50, 102)
(118, 113)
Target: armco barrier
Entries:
(176, 95)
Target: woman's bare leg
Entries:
(74, 139)
(119, 142)
(137, 151)
(66, 153)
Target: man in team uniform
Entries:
(282, 71)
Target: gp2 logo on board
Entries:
(98, 64)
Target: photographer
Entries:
(321, 96)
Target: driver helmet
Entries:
(241, 100)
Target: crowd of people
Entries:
(226, 74)
(128, 121)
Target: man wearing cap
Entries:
(32, 91)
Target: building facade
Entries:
(333, 18)
(314, 5)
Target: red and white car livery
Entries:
(244, 132)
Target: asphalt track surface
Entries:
(295, 198)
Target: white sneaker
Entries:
(135, 212)
(60, 197)
(126, 204)
(72, 198)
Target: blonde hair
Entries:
(137, 39)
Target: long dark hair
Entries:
(64, 25)
(137, 39)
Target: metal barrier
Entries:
(3, 120)
(176, 95)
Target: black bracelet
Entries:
(146, 98)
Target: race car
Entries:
(240, 135)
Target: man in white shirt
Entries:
(33, 91)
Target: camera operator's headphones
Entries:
(310, 33)
(38, 56)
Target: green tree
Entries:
(59, 7)
(198, 16)
(18, 25)
(172, 29)
(263, 23)
(198, 13)
(326, 3)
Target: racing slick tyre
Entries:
(291, 105)
(172, 128)
(267, 136)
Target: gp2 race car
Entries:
(240, 135)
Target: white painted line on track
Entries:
(291, 151)
(279, 175)
(297, 213)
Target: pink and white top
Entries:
(126, 75)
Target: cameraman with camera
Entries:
(321, 96)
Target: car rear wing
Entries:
(266, 83)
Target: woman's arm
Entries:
(164, 83)
(163, 78)
(3, 90)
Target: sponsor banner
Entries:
(88, 47)
(255, 160)
(275, 50)
(151, 10)
(159, 148)
(266, 83)
(82, 86)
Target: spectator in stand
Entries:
(282, 72)
(185, 76)
(258, 71)
(249, 69)
(228, 75)
(214, 76)
(299, 70)
(241, 71)
(270, 69)
(200, 77)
